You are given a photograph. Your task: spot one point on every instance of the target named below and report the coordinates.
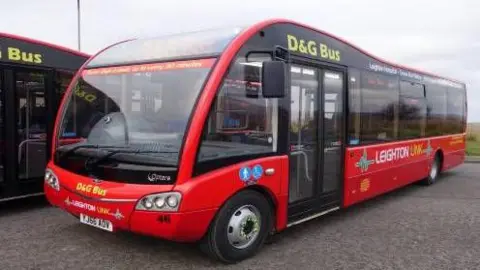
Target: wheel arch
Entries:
(262, 190)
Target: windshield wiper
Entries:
(88, 146)
(94, 163)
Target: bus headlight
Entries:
(161, 202)
(52, 180)
(147, 203)
(172, 201)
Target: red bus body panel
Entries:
(201, 198)
(393, 165)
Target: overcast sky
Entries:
(440, 36)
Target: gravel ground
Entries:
(417, 227)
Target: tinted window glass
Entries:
(333, 107)
(333, 88)
(412, 110)
(412, 116)
(355, 103)
(31, 123)
(436, 110)
(409, 89)
(455, 110)
(379, 113)
(241, 121)
(63, 80)
(2, 155)
(303, 131)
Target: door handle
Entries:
(305, 156)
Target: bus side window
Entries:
(412, 110)
(241, 122)
(62, 81)
(436, 110)
(455, 111)
(354, 107)
(373, 107)
(379, 107)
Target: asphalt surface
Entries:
(417, 227)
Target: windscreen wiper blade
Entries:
(88, 146)
(95, 162)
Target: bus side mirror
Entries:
(273, 79)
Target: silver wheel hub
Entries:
(244, 226)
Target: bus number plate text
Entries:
(96, 222)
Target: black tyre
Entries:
(240, 228)
(434, 172)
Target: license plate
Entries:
(96, 222)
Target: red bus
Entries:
(34, 75)
(225, 137)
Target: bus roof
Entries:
(43, 43)
(177, 46)
(323, 32)
(211, 43)
(19, 50)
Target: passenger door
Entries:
(316, 140)
(27, 114)
(2, 127)
(31, 123)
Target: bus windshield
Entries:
(140, 108)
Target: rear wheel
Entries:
(240, 228)
(434, 171)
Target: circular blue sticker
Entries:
(257, 171)
(245, 173)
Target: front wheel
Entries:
(240, 228)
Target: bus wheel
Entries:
(434, 171)
(240, 228)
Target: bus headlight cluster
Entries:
(162, 202)
(51, 179)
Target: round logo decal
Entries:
(257, 171)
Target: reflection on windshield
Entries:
(190, 44)
(147, 104)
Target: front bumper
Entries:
(175, 226)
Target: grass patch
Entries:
(473, 139)
(473, 148)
